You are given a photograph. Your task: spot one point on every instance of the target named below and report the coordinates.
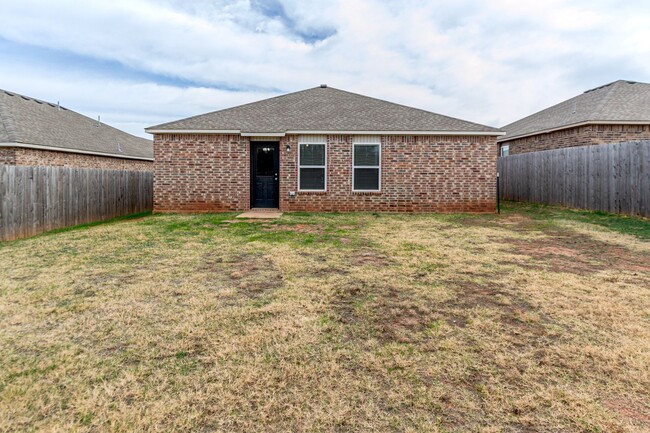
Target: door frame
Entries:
(276, 169)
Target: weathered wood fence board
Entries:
(37, 199)
(609, 177)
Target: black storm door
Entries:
(265, 167)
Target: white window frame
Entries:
(366, 141)
(506, 146)
(312, 140)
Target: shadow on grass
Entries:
(625, 224)
(84, 226)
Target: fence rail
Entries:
(609, 177)
(37, 199)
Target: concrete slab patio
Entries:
(260, 214)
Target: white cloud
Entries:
(490, 62)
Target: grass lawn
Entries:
(537, 319)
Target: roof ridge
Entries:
(33, 122)
(409, 107)
(605, 98)
(407, 114)
(618, 101)
(56, 107)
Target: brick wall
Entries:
(201, 173)
(24, 156)
(418, 174)
(7, 156)
(195, 172)
(579, 136)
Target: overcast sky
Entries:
(142, 62)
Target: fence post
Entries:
(498, 194)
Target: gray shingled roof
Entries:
(620, 101)
(29, 121)
(322, 109)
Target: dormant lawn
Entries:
(536, 320)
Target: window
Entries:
(505, 150)
(312, 163)
(366, 164)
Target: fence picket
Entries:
(37, 199)
(607, 177)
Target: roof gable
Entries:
(322, 109)
(620, 101)
(29, 121)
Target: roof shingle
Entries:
(323, 109)
(30, 121)
(620, 101)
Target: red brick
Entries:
(38, 157)
(211, 173)
(579, 136)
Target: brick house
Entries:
(324, 149)
(613, 113)
(35, 132)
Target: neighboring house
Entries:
(324, 149)
(34, 132)
(613, 113)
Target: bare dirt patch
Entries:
(346, 299)
(579, 254)
(253, 275)
(402, 317)
(633, 410)
(513, 312)
(369, 257)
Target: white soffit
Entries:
(366, 139)
(312, 139)
(264, 138)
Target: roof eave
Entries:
(68, 150)
(293, 132)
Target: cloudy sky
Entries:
(142, 62)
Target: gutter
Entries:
(293, 132)
(62, 149)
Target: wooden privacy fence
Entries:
(609, 177)
(37, 199)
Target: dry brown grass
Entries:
(360, 322)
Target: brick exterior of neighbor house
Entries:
(614, 113)
(38, 157)
(7, 156)
(579, 136)
(40, 133)
(211, 173)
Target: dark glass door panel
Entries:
(265, 164)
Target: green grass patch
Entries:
(546, 214)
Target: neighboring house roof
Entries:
(29, 122)
(618, 102)
(322, 109)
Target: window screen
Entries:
(311, 167)
(366, 171)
